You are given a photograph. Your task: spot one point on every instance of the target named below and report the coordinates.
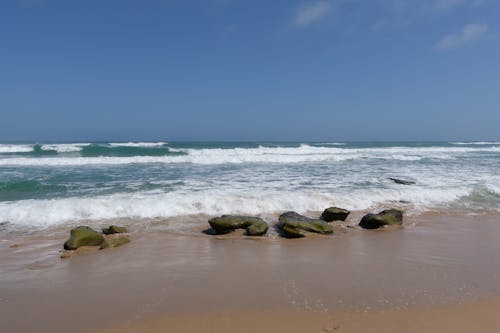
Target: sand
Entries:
(439, 273)
(481, 316)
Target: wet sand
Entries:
(480, 316)
(437, 267)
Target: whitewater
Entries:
(52, 184)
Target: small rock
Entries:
(114, 229)
(388, 217)
(334, 214)
(83, 236)
(402, 182)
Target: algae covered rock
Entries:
(388, 217)
(294, 225)
(83, 236)
(114, 229)
(224, 224)
(115, 242)
(334, 214)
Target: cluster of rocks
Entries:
(84, 236)
(294, 225)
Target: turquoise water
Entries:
(45, 184)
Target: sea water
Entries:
(52, 184)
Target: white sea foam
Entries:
(137, 144)
(476, 143)
(44, 213)
(303, 153)
(64, 147)
(15, 148)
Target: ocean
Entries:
(56, 184)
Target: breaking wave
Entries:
(103, 154)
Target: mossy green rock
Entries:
(334, 214)
(115, 242)
(224, 224)
(114, 229)
(388, 217)
(294, 225)
(83, 236)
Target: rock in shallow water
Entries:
(114, 229)
(388, 217)
(294, 225)
(83, 236)
(402, 182)
(224, 224)
(334, 214)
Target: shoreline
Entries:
(437, 259)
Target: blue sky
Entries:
(249, 70)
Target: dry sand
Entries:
(439, 273)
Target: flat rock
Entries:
(254, 226)
(294, 225)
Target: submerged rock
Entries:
(255, 226)
(114, 229)
(83, 236)
(402, 182)
(294, 225)
(115, 242)
(388, 217)
(334, 214)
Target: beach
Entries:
(438, 273)
(233, 166)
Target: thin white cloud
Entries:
(308, 14)
(468, 34)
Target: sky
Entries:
(235, 70)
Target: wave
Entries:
(138, 144)
(95, 150)
(15, 148)
(64, 147)
(25, 149)
(148, 205)
(97, 154)
(476, 143)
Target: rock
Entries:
(114, 229)
(334, 214)
(224, 224)
(294, 225)
(115, 242)
(402, 182)
(83, 236)
(388, 217)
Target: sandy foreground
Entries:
(480, 316)
(440, 273)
